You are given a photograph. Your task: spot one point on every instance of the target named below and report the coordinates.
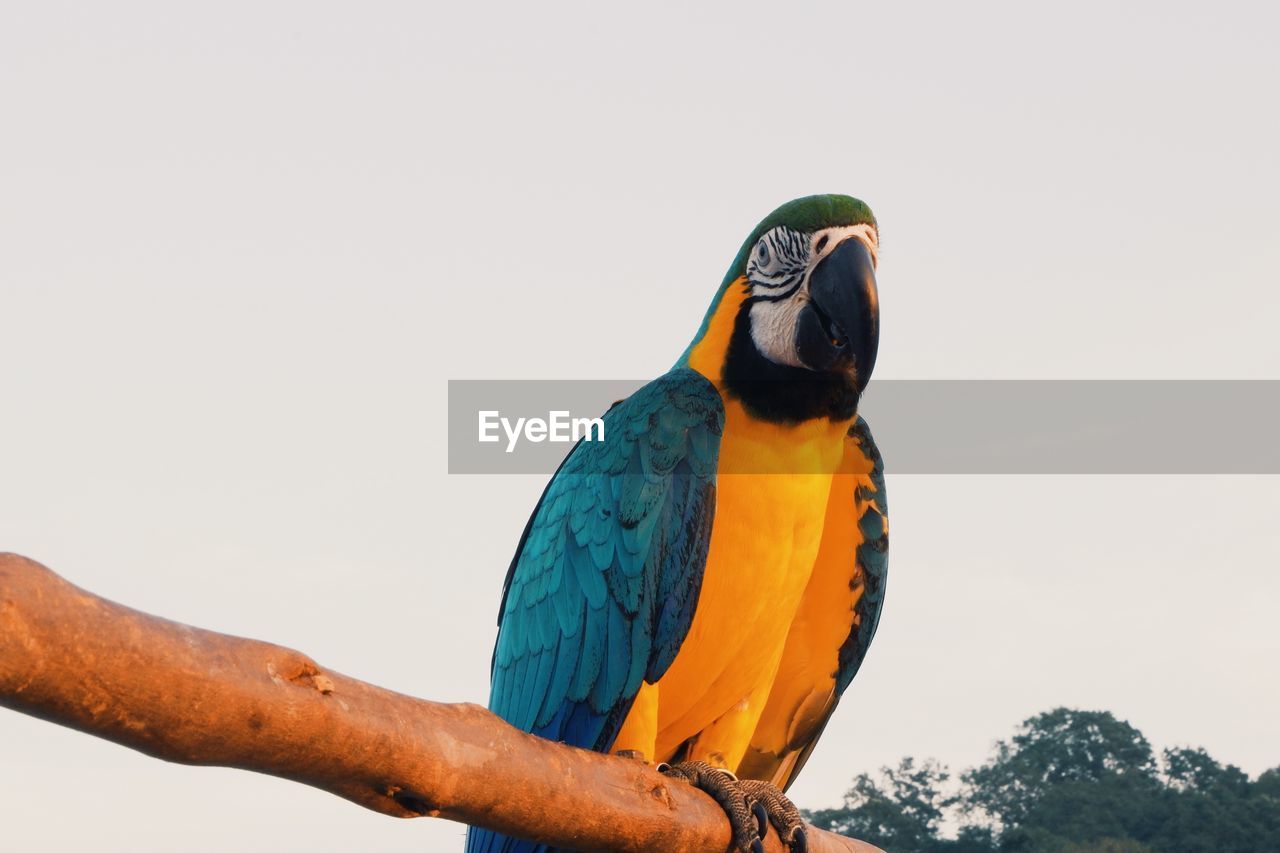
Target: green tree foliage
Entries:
(1268, 784)
(1068, 781)
(1058, 749)
(899, 811)
(1187, 769)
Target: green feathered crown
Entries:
(806, 215)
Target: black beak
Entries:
(840, 327)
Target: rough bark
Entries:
(193, 696)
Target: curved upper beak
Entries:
(841, 324)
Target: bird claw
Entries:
(783, 814)
(762, 818)
(726, 790)
(751, 806)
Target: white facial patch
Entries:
(773, 329)
(778, 271)
(835, 236)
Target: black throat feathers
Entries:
(779, 393)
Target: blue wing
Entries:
(604, 583)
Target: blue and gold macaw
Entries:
(700, 587)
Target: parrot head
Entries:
(796, 323)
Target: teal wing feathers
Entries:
(603, 586)
(605, 579)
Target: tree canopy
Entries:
(1067, 781)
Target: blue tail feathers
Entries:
(486, 841)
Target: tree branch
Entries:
(192, 696)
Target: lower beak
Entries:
(840, 327)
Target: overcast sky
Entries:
(242, 250)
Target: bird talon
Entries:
(762, 817)
(748, 818)
(782, 813)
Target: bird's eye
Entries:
(821, 244)
(762, 253)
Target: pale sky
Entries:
(243, 248)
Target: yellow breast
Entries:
(771, 496)
(771, 499)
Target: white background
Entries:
(243, 246)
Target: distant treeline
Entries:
(1068, 781)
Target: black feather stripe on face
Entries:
(778, 261)
(780, 393)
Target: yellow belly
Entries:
(771, 497)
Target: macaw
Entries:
(699, 587)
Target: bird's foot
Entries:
(750, 805)
(783, 813)
(747, 820)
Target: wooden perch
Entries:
(192, 696)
